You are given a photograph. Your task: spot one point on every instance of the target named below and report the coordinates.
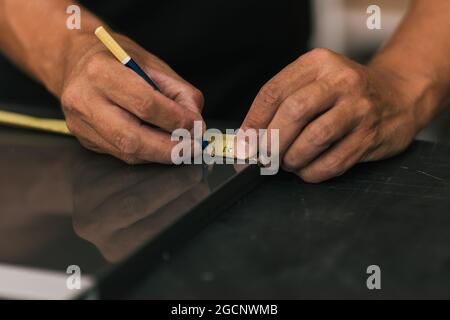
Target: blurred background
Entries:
(340, 25)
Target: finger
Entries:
(172, 84)
(91, 140)
(128, 135)
(178, 90)
(320, 135)
(272, 94)
(125, 88)
(298, 110)
(337, 160)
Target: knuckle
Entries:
(181, 122)
(94, 67)
(319, 135)
(325, 86)
(365, 109)
(253, 121)
(185, 123)
(73, 103)
(329, 168)
(289, 163)
(128, 144)
(375, 135)
(366, 113)
(198, 97)
(296, 109)
(69, 99)
(71, 125)
(322, 53)
(309, 177)
(332, 165)
(269, 97)
(364, 104)
(165, 155)
(130, 160)
(270, 94)
(143, 106)
(180, 119)
(90, 145)
(351, 76)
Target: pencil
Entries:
(122, 55)
(126, 60)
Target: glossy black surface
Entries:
(62, 205)
(288, 239)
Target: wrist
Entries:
(416, 92)
(67, 49)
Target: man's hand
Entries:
(333, 113)
(110, 109)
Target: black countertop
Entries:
(285, 239)
(289, 240)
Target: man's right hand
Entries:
(110, 109)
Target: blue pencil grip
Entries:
(135, 67)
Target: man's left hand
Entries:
(333, 113)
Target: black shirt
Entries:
(226, 48)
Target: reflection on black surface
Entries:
(117, 207)
(62, 205)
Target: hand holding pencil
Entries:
(126, 107)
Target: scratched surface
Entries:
(288, 239)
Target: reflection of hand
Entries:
(105, 104)
(26, 181)
(118, 208)
(333, 113)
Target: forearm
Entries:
(418, 54)
(33, 34)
